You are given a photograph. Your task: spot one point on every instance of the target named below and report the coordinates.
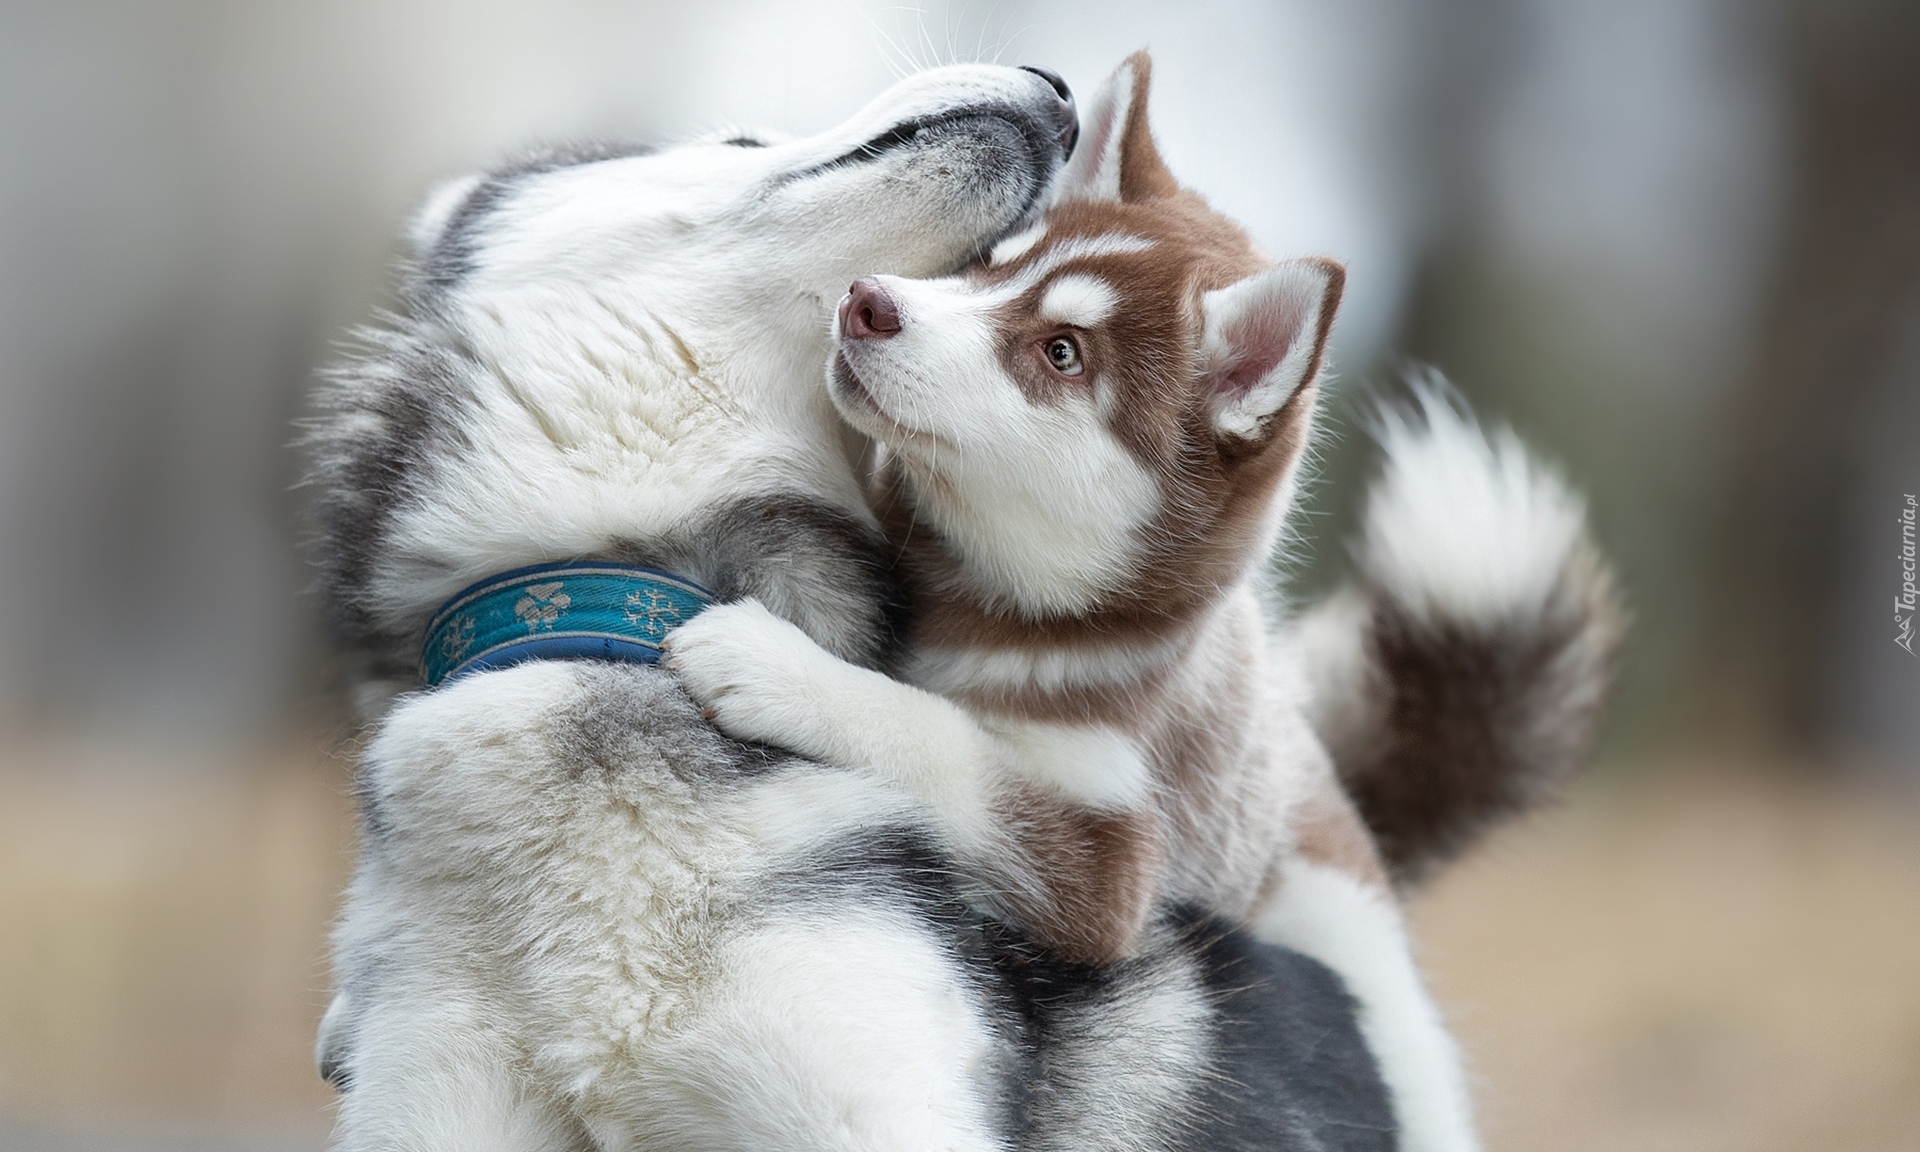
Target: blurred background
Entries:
(1676, 243)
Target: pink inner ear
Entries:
(1101, 129)
(1104, 130)
(1258, 340)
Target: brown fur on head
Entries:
(1122, 498)
(1092, 435)
(1129, 169)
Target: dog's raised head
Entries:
(1102, 419)
(614, 354)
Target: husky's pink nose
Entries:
(869, 311)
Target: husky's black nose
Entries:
(1053, 78)
(1068, 117)
(869, 311)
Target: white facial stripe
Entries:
(1079, 300)
(1068, 250)
(1016, 246)
(1080, 248)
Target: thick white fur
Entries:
(1081, 301)
(431, 218)
(1357, 930)
(1464, 526)
(642, 326)
(1045, 530)
(559, 946)
(1331, 642)
(1016, 245)
(543, 953)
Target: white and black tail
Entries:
(1458, 679)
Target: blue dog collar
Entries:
(579, 610)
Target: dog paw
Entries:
(756, 676)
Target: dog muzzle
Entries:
(574, 611)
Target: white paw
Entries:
(756, 676)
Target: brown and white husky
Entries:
(1087, 445)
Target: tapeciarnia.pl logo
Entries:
(1904, 604)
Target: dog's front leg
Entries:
(1054, 820)
(760, 678)
(1354, 926)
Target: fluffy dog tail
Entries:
(1458, 679)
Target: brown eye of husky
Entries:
(1064, 355)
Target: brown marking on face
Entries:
(1215, 492)
(1091, 877)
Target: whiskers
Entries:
(912, 44)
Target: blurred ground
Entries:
(1678, 959)
(162, 952)
(1696, 962)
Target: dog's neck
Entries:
(967, 642)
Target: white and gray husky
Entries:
(585, 919)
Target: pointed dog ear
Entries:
(1264, 339)
(1116, 159)
(430, 222)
